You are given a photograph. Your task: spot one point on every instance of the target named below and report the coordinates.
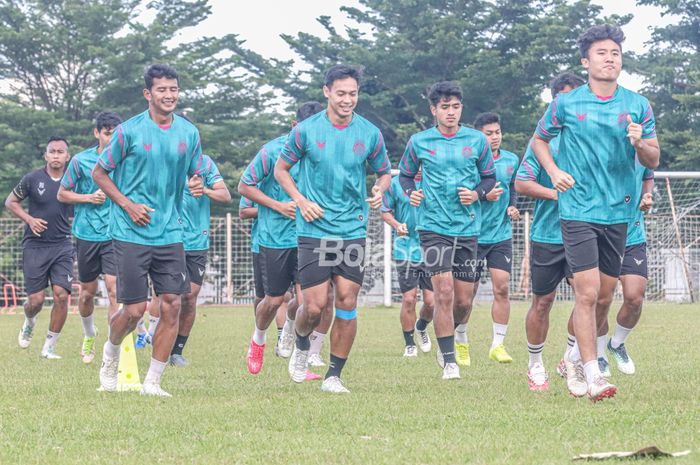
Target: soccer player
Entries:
(91, 230)
(150, 156)
(196, 222)
(332, 149)
(601, 127)
(47, 251)
(457, 171)
(398, 213)
(547, 259)
(277, 239)
(249, 210)
(495, 243)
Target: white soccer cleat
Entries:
(410, 351)
(601, 388)
(109, 372)
(622, 359)
(439, 358)
(298, 364)
(315, 360)
(49, 354)
(537, 378)
(25, 336)
(561, 368)
(152, 389)
(334, 385)
(575, 378)
(424, 341)
(451, 371)
(285, 345)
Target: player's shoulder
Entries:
(133, 122)
(466, 132)
(85, 154)
(275, 144)
(510, 156)
(185, 125)
(39, 173)
(311, 122)
(366, 124)
(633, 96)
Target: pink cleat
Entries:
(311, 376)
(537, 379)
(254, 359)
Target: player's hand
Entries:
(513, 213)
(634, 131)
(646, 203)
(402, 230)
(310, 210)
(288, 209)
(376, 200)
(416, 198)
(562, 180)
(495, 193)
(196, 186)
(139, 213)
(467, 196)
(98, 197)
(38, 226)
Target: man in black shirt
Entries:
(47, 247)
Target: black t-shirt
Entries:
(41, 191)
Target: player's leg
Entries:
(153, 309)
(464, 292)
(499, 261)
(32, 307)
(61, 276)
(426, 311)
(35, 265)
(89, 269)
(196, 262)
(408, 285)
(111, 284)
(536, 328)
(318, 335)
(109, 273)
(283, 315)
(605, 298)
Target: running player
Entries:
(47, 251)
(332, 149)
(601, 125)
(398, 213)
(457, 171)
(248, 210)
(91, 230)
(151, 156)
(547, 259)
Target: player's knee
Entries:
(86, 297)
(500, 291)
(409, 300)
(347, 301)
(634, 303)
(605, 300)
(587, 297)
(60, 297)
(543, 304)
(443, 289)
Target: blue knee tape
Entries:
(346, 314)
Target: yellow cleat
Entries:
(500, 355)
(462, 354)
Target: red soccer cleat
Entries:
(254, 359)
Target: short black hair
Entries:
(341, 72)
(57, 139)
(107, 120)
(482, 119)
(307, 110)
(563, 80)
(598, 33)
(159, 71)
(444, 91)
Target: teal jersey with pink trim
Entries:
(196, 212)
(397, 202)
(247, 203)
(495, 222)
(635, 228)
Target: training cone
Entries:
(128, 378)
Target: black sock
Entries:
(421, 324)
(180, 342)
(303, 342)
(447, 347)
(408, 338)
(335, 366)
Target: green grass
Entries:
(399, 412)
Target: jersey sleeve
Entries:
(485, 161)
(211, 173)
(388, 203)
(245, 203)
(551, 124)
(648, 123)
(529, 168)
(379, 159)
(115, 152)
(23, 187)
(257, 169)
(293, 150)
(648, 174)
(409, 163)
(196, 165)
(72, 174)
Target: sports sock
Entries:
(279, 333)
(535, 351)
(408, 338)
(88, 326)
(461, 334)
(152, 325)
(155, 371)
(601, 343)
(31, 322)
(259, 336)
(421, 324)
(591, 370)
(141, 326)
(499, 334)
(574, 353)
(447, 347)
(335, 367)
(619, 336)
(303, 342)
(51, 340)
(180, 342)
(316, 340)
(110, 350)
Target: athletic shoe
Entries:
(109, 372)
(462, 354)
(575, 378)
(311, 376)
(298, 365)
(440, 359)
(622, 359)
(140, 341)
(561, 368)
(315, 360)
(537, 379)
(604, 367)
(285, 345)
(424, 341)
(451, 371)
(410, 351)
(152, 389)
(50, 354)
(87, 353)
(334, 385)
(149, 338)
(177, 360)
(254, 359)
(500, 355)
(601, 388)
(25, 336)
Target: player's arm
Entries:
(388, 205)
(13, 203)
(379, 162)
(293, 152)
(487, 173)
(66, 195)
(248, 213)
(255, 173)
(381, 185)
(408, 170)
(218, 192)
(549, 127)
(643, 138)
(512, 209)
(534, 190)
(647, 200)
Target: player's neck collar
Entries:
(449, 136)
(339, 126)
(603, 97)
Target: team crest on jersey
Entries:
(627, 199)
(467, 152)
(637, 223)
(509, 170)
(181, 148)
(359, 148)
(41, 189)
(320, 145)
(622, 119)
(360, 217)
(205, 232)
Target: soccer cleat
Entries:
(410, 351)
(440, 359)
(298, 365)
(25, 336)
(462, 354)
(140, 341)
(537, 378)
(285, 345)
(177, 360)
(600, 389)
(152, 389)
(575, 378)
(561, 368)
(451, 371)
(49, 354)
(311, 376)
(108, 373)
(87, 353)
(334, 385)
(424, 341)
(500, 355)
(622, 359)
(315, 360)
(604, 367)
(254, 359)
(149, 338)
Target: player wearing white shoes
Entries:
(47, 251)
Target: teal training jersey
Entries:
(635, 229)
(91, 222)
(396, 201)
(545, 221)
(448, 162)
(247, 203)
(150, 165)
(275, 231)
(196, 212)
(495, 222)
(595, 150)
(332, 172)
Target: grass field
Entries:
(399, 412)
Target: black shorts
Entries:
(165, 265)
(446, 253)
(258, 275)
(548, 266)
(94, 259)
(43, 264)
(196, 263)
(635, 261)
(593, 245)
(279, 270)
(412, 275)
(497, 255)
(321, 259)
